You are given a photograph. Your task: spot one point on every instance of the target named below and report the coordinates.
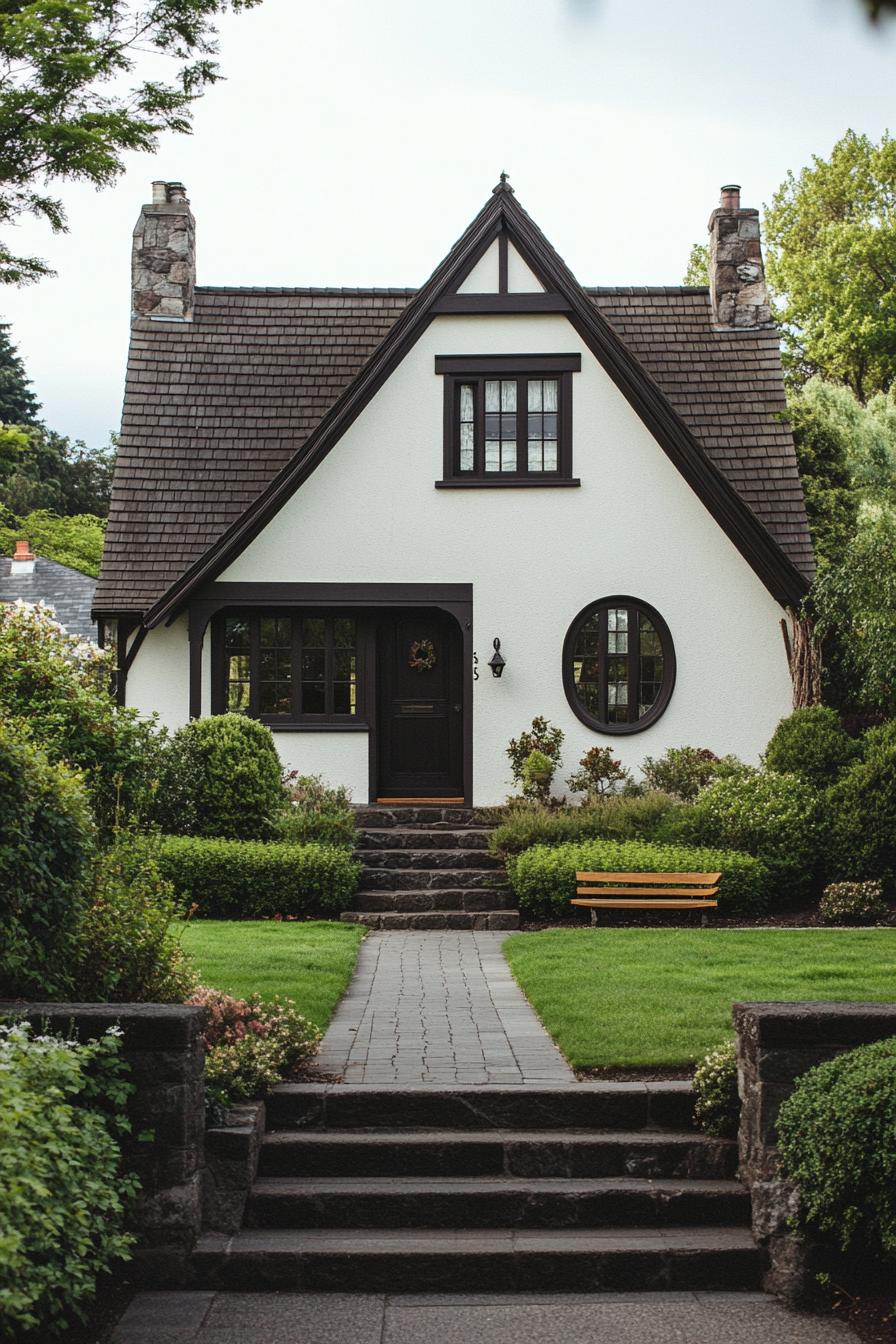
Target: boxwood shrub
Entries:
(249, 879)
(837, 1138)
(811, 743)
(543, 878)
(221, 776)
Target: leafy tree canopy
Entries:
(75, 541)
(18, 404)
(70, 107)
(49, 471)
(697, 272)
(831, 259)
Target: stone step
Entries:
(418, 879)
(376, 817)
(468, 1260)
(651, 1106)
(492, 920)
(399, 837)
(415, 902)
(497, 1201)
(451, 860)
(567, 1154)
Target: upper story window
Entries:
(508, 419)
(288, 668)
(618, 665)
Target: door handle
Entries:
(456, 708)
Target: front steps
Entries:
(428, 868)
(589, 1187)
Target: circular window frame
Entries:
(670, 667)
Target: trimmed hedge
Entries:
(543, 878)
(616, 817)
(251, 879)
(837, 1137)
(221, 776)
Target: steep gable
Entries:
(227, 415)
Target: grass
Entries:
(640, 997)
(311, 963)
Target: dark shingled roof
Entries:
(216, 407)
(67, 591)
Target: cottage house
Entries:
(26, 577)
(397, 524)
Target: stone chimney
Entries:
(23, 559)
(163, 260)
(736, 273)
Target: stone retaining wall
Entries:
(776, 1043)
(166, 1148)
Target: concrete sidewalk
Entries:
(441, 1008)
(335, 1318)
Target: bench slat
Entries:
(659, 892)
(617, 904)
(660, 879)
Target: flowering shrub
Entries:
(599, 773)
(852, 903)
(717, 1108)
(775, 817)
(46, 843)
(315, 812)
(251, 1044)
(543, 737)
(61, 686)
(64, 1198)
(683, 771)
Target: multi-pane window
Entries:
(505, 424)
(619, 665)
(290, 667)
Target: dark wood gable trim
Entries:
(503, 213)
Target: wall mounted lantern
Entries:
(496, 662)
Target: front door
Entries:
(419, 706)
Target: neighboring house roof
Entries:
(69, 592)
(226, 415)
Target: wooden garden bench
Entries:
(646, 891)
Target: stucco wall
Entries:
(535, 557)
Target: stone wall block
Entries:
(165, 247)
(232, 1152)
(748, 227)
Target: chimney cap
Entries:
(23, 551)
(729, 197)
(168, 193)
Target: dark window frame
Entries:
(457, 370)
(296, 719)
(636, 607)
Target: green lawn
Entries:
(311, 963)
(631, 997)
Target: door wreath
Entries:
(422, 655)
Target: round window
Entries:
(618, 665)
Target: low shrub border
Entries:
(245, 879)
(543, 878)
(613, 817)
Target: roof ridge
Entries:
(646, 289)
(301, 289)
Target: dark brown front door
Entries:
(420, 706)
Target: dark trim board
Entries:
(506, 482)
(505, 365)
(503, 214)
(537, 302)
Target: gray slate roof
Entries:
(216, 407)
(69, 592)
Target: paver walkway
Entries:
(336, 1318)
(438, 1007)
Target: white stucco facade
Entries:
(535, 557)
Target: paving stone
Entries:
(438, 1007)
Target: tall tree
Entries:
(697, 272)
(830, 236)
(18, 404)
(69, 108)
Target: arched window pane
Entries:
(619, 666)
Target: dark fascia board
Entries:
(503, 214)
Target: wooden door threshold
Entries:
(421, 802)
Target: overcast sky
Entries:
(354, 140)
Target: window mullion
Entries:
(634, 657)
(254, 665)
(522, 426)
(479, 427)
(329, 668)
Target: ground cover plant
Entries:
(310, 962)
(543, 878)
(656, 997)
